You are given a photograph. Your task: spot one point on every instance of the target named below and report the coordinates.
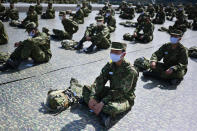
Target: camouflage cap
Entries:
(31, 7)
(118, 46)
(177, 33)
(99, 17)
(30, 26)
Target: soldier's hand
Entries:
(92, 102)
(135, 34)
(169, 71)
(16, 44)
(88, 38)
(153, 65)
(98, 107)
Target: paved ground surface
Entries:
(158, 106)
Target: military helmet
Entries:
(118, 46)
(56, 100)
(30, 26)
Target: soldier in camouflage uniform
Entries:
(160, 17)
(110, 20)
(103, 10)
(175, 60)
(50, 12)
(38, 8)
(85, 9)
(98, 34)
(144, 37)
(3, 34)
(170, 12)
(151, 10)
(37, 48)
(79, 15)
(108, 102)
(128, 12)
(2, 11)
(139, 8)
(31, 17)
(11, 13)
(70, 28)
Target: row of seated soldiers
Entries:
(33, 12)
(53, 1)
(159, 13)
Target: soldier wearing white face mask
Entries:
(98, 34)
(175, 60)
(79, 15)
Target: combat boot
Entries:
(10, 64)
(105, 120)
(90, 49)
(150, 73)
(175, 81)
(79, 46)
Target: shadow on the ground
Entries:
(153, 83)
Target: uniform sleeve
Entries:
(183, 61)
(158, 55)
(100, 81)
(104, 32)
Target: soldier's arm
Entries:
(183, 61)
(103, 33)
(158, 55)
(100, 81)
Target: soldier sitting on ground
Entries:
(3, 34)
(50, 12)
(108, 102)
(98, 34)
(128, 12)
(85, 9)
(31, 17)
(160, 17)
(2, 10)
(110, 20)
(175, 60)
(79, 15)
(147, 27)
(38, 8)
(11, 13)
(151, 10)
(37, 48)
(70, 28)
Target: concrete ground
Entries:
(158, 106)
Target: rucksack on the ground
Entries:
(68, 44)
(142, 63)
(192, 51)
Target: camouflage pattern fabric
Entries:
(192, 52)
(176, 59)
(128, 24)
(38, 48)
(111, 23)
(4, 57)
(31, 17)
(119, 97)
(3, 34)
(15, 23)
(142, 63)
(59, 100)
(160, 18)
(38, 9)
(12, 14)
(68, 44)
(79, 16)
(50, 14)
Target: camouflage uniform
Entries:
(70, 28)
(38, 9)
(3, 34)
(31, 17)
(160, 17)
(85, 9)
(111, 21)
(37, 48)
(147, 35)
(194, 24)
(50, 12)
(127, 13)
(79, 16)
(11, 13)
(119, 97)
(151, 10)
(2, 11)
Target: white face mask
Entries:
(99, 23)
(115, 58)
(174, 40)
(32, 34)
(107, 14)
